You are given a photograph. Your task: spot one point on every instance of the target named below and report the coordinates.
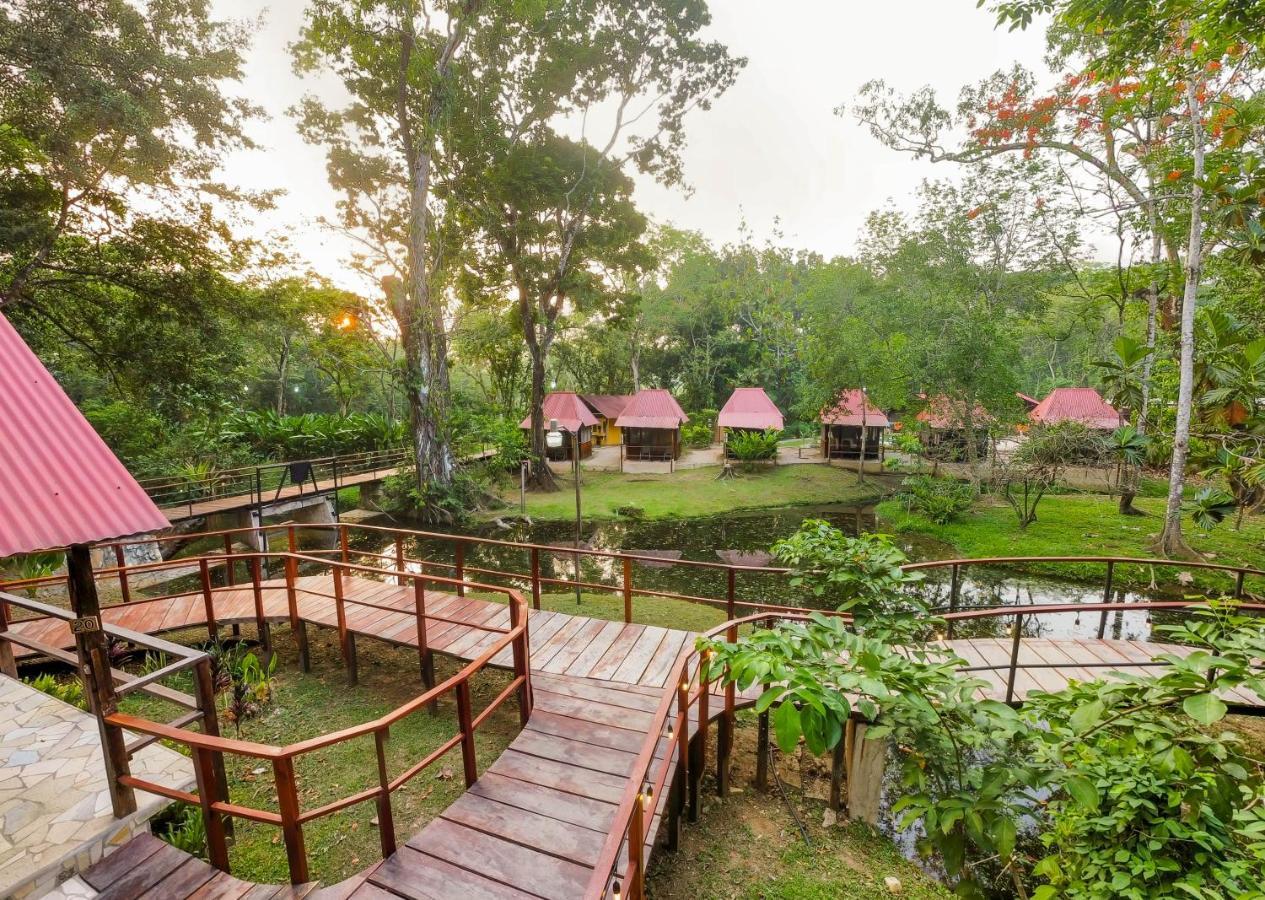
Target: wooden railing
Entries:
(208, 749)
(682, 723)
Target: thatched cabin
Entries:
(842, 425)
(651, 425)
(573, 417)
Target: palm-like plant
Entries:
(1236, 384)
(1243, 481)
(1122, 374)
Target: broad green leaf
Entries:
(786, 726)
(1204, 708)
(1003, 835)
(1082, 791)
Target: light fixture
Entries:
(616, 892)
(671, 733)
(647, 795)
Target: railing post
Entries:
(344, 551)
(291, 827)
(522, 657)
(230, 576)
(386, 823)
(204, 691)
(730, 594)
(628, 590)
(676, 802)
(8, 664)
(208, 599)
(1106, 598)
(460, 572)
(340, 613)
(209, 791)
(637, 848)
(425, 660)
(120, 560)
(1016, 638)
(399, 559)
(465, 720)
(699, 745)
(955, 587)
(1238, 584)
(535, 577)
(261, 624)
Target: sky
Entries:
(770, 152)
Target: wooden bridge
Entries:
(616, 725)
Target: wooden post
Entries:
(94, 665)
(208, 599)
(1238, 584)
(399, 559)
(535, 577)
(230, 577)
(204, 690)
(386, 822)
(8, 665)
(291, 827)
(730, 594)
(261, 623)
(637, 849)
(460, 573)
(465, 719)
(209, 792)
(522, 667)
(120, 560)
(1106, 598)
(343, 544)
(762, 753)
(340, 613)
(955, 587)
(628, 590)
(836, 775)
(1016, 637)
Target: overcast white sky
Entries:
(770, 148)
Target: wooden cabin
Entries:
(1072, 404)
(945, 432)
(607, 408)
(842, 423)
(748, 409)
(572, 416)
(651, 425)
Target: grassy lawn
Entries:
(696, 492)
(1087, 525)
(320, 702)
(748, 845)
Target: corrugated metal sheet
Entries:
(608, 406)
(59, 483)
(1077, 405)
(944, 412)
(652, 408)
(750, 408)
(847, 411)
(567, 408)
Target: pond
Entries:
(744, 538)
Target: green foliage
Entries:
(861, 575)
(25, 566)
(1210, 506)
(243, 679)
(187, 831)
(68, 690)
(277, 437)
(1039, 462)
(941, 500)
(697, 434)
(752, 446)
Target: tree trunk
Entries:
(540, 477)
(283, 374)
(1172, 542)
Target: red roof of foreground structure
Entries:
(608, 406)
(750, 408)
(943, 412)
(568, 409)
(1084, 405)
(652, 408)
(847, 411)
(59, 483)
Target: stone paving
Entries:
(55, 814)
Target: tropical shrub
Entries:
(941, 500)
(27, 566)
(697, 434)
(68, 691)
(244, 679)
(186, 831)
(753, 446)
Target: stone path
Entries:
(55, 814)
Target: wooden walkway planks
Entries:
(178, 511)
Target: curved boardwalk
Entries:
(534, 823)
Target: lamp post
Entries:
(554, 439)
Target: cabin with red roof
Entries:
(651, 425)
(1076, 404)
(572, 416)
(946, 431)
(607, 408)
(748, 409)
(843, 423)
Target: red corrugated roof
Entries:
(567, 408)
(945, 412)
(1031, 401)
(847, 411)
(1078, 405)
(59, 482)
(750, 408)
(608, 406)
(652, 408)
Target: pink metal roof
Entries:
(1031, 401)
(59, 483)
(608, 406)
(847, 411)
(1078, 405)
(942, 411)
(750, 408)
(652, 408)
(567, 408)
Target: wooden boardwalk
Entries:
(534, 823)
(195, 509)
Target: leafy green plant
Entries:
(27, 566)
(940, 500)
(1210, 506)
(697, 434)
(68, 691)
(187, 831)
(243, 679)
(753, 446)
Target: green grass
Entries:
(1088, 525)
(696, 492)
(320, 702)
